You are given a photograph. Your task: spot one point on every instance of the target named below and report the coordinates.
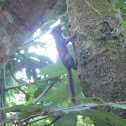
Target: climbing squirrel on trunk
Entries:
(65, 56)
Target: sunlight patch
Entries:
(34, 58)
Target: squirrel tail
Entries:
(71, 87)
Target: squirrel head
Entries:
(58, 29)
(63, 28)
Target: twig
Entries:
(79, 106)
(93, 8)
(22, 91)
(89, 106)
(8, 119)
(38, 120)
(44, 92)
(12, 73)
(33, 116)
(67, 6)
(57, 118)
(24, 56)
(41, 35)
(14, 87)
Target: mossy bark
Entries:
(101, 54)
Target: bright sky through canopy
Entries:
(50, 48)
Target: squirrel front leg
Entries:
(69, 38)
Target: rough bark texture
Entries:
(18, 20)
(101, 54)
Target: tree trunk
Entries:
(101, 54)
(19, 19)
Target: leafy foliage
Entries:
(68, 115)
(120, 10)
(54, 106)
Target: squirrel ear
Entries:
(63, 28)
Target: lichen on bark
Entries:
(101, 54)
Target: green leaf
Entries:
(77, 85)
(7, 104)
(123, 17)
(13, 103)
(119, 4)
(62, 9)
(57, 95)
(123, 11)
(84, 121)
(104, 118)
(61, 91)
(122, 27)
(67, 120)
(27, 96)
(50, 105)
(32, 89)
(113, 11)
(53, 70)
(30, 100)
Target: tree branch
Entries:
(14, 87)
(38, 120)
(93, 8)
(24, 56)
(12, 73)
(78, 109)
(45, 91)
(57, 118)
(38, 37)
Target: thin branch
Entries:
(25, 120)
(87, 106)
(33, 116)
(22, 91)
(44, 92)
(93, 8)
(57, 118)
(24, 56)
(82, 107)
(67, 6)
(14, 87)
(38, 37)
(12, 73)
(8, 120)
(38, 120)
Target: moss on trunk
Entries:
(101, 54)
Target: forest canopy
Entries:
(35, 81)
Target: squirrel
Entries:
(65, 56)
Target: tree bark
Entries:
(101, 54)
(18, 20)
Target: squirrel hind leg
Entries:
(76, 63)
(73, 100)
(70, 61)
(73, 63)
